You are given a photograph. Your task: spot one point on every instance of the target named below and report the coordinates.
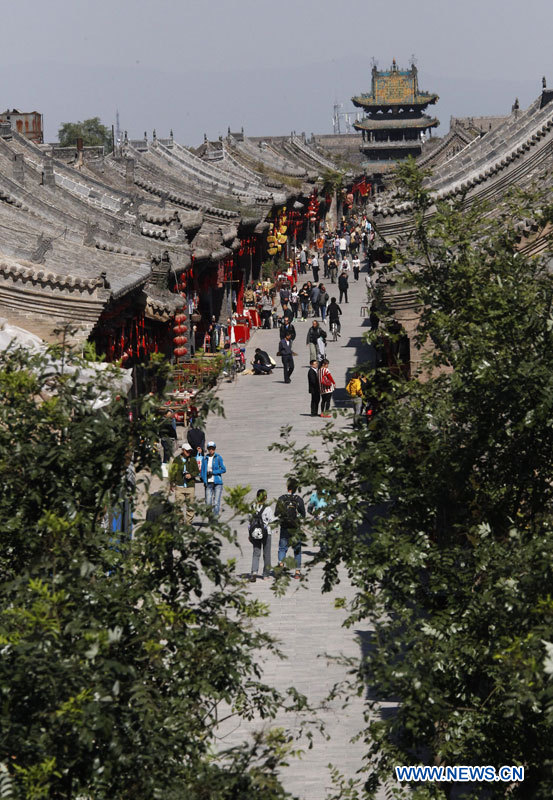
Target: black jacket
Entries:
(196, 438)
(343, 282)
(285, 348)
(284, 329)
(333, 312)
(313, 381)
(262, 358)
(313, 334)
(288, 316)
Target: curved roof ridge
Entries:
(482, 148)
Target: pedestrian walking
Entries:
(285, 328)
(287, 355)
(266, 309)
(343, 247)
(195, 438)
(356, 265)
(314, 298)
(320, 242)
(259, 534)
(323, 300)
(343, 287)
(284, 295)
(290, 510)
(182, 479)
(315, 268)
(304, 300)
(303, 261)
(211, 473)
(294, 301)
(327, 384)
(314, 387)
(287, 314)
(168, 436)
(313, 335)
(332, 269)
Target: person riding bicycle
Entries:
(334, 313)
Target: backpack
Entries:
(351, 388)
(288, 511)
(257, 529)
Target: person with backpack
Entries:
(323, 300)
(355, 391)
(259, 534)
(314, 298)
(313, 335)
(290, 509)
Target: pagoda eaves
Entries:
(401, 123)
(422, 99)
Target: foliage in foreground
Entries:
(120, 657)
(443, 512)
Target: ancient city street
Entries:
(305, 621)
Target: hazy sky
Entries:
(199, 66)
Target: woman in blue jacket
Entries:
(211, 472)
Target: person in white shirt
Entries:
(260, 528)
(343, 246)
(356, 264)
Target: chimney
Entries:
(79, 161)
(48, 177)
(129, 173)
(19, 168)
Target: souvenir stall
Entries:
(248, 258)
(123, 333)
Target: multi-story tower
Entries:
(395, 124)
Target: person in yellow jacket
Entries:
(355, 391)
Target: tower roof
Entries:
(394, 87)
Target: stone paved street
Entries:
(305, 621)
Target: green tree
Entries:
(91, 131)
(449, 495)
(120, 656)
